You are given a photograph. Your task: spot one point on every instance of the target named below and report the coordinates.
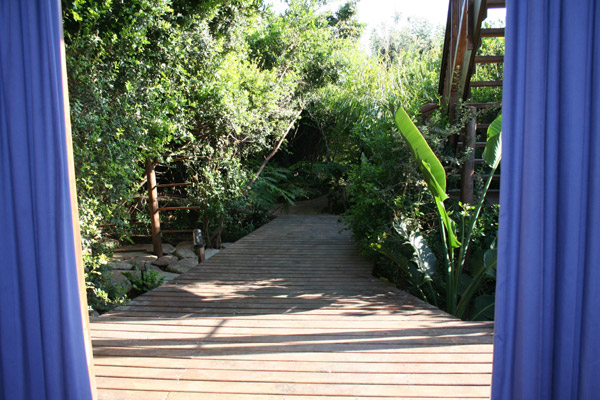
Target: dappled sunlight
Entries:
(281, 307)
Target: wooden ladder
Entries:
(154, 208)
(464, 35)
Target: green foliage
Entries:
(418, 270)
(103, 293)
(460, 288)
(222, 84)
(218, 82)
(431, 168)
(143, 282)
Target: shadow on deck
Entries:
(290, 311)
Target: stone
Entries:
(168, 248)
(167, 275)
(226, 245)
(183, 254)
(182, 266)
(210, 252)
(185, 246)
(120, 266)
(118, 279)
(165, 260)
(145, 248)
(125, 256)
(162, 274)
(143, 260)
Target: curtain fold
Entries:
(548, 286)
(42, 352)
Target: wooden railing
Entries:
(154, 208)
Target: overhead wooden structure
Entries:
(290, 311)
(464, 35)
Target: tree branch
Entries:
(275, 150)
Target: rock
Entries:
(210, 252)
(143, 260)
(125, 256)
(165, 260)
(152, 268)
(226, 245)
(120, 266)
(118, 279)
(182, 266)
(145, 248)
(183, 254)
(168, 276)
(168, 248)
(185, 246)
(162, 274)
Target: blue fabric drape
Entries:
(42, 352)
(548, 288)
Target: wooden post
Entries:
(199, 245)
(468, 170)
(201, 254)
(153, 208)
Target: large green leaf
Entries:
(493, 148)
(423, 154)
(483, 308)
(431, 168)
(448, 223)
(424, 258)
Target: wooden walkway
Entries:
(289, 312)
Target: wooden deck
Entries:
(289, 312)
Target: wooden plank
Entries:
(111, 394)
(179, 208)
(311, 389)
(178, 231)
(170, 185)
(290, 311)
(443, 356)
(303, 366)
(486, 83)
(489, 59)
(322, 377)
(496, 3)
(492, 32)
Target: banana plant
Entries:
(435, 177)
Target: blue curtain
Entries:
(42, 352)
(548, 291)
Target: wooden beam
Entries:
(179, 208)
(153, 208)
(170, 185)
(489, 59)
(492, 32)
(496, 4)
(468, 169)
(486, 83)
